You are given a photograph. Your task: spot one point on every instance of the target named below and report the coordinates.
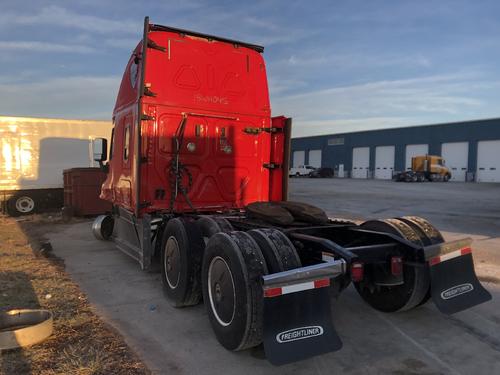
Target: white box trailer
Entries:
(33, 154)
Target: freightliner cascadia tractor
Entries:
(197, 175)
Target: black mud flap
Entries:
(454, 284)
(298, 326)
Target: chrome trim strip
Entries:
(305, 274)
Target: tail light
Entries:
(357, 271)
(397, 266)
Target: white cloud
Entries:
(57, 16)
(385, 103)
(122, 43)
(86, 97)
(305, 128)
(36, 46)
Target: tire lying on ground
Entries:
(416, 284)
(25, 327)
(233, 266)
(181, 256)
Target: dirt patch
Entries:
(30, 277)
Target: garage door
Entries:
(384, 162)
(415, 150)
(315, 158)
(298, 158)
(456, 156)
(488, 161)
(360, 162)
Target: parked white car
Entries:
(301, 170)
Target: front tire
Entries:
(181, 256)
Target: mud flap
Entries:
(454, 284)
(298, 326)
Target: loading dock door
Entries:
(488, 161)
(414, 150)
(360, 162)
(298, 158)
(456, 156)
(315, 158)
(384, 162)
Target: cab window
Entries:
(111, 148)
(126, 143)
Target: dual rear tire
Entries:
(415, 289)
(233, 266)
(226, 271)
(181, 256)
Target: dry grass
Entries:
(81, 342)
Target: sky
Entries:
(334, 66)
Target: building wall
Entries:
(433, 135)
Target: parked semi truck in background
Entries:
(33, 154)
(425, 168)
(198, 177)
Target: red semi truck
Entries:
(197, 175)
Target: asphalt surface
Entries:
(421, 341)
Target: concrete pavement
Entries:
(180, 341)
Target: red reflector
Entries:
(321, 283)
(272, 292)
(357, 272)
(466, 250)
(396, 266)
(434, 261)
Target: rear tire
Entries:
(233, 266)
(416, 279)
(209, 225)
(277, 249)
(429, 235)
(181, 256)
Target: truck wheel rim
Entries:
(221, 291)
(172, 262)
(25, 204)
